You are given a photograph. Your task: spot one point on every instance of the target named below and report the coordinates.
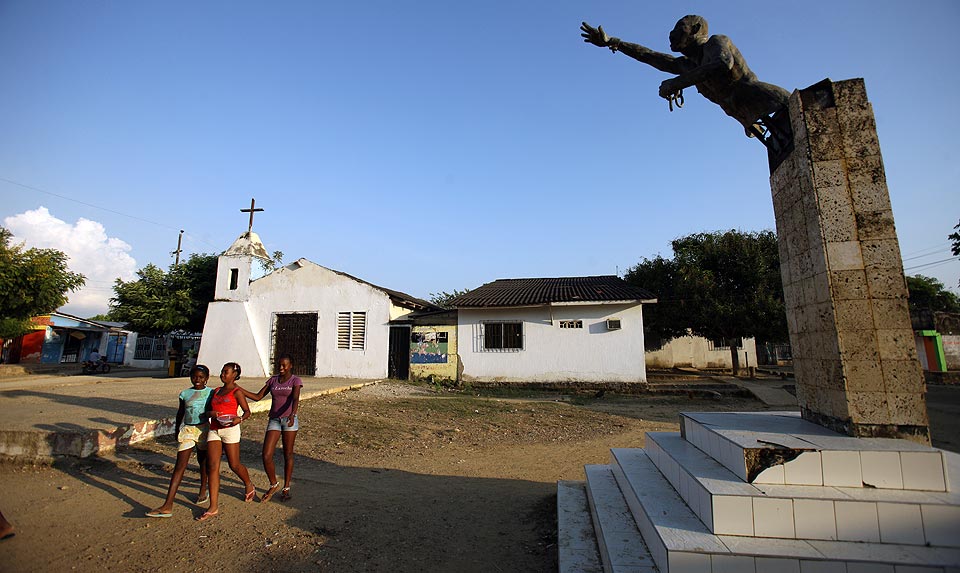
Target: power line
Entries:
(931, 264)
(32, 188)
(925, 249)
(933, 253)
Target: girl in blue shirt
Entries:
(191, 429)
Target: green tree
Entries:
(273, 262)
(666, 319)
(720, 285)
(443, 298)
(32, 281)
(928, 293)
(158, 302)
(955, 241)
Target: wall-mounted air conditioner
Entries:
(613, 324)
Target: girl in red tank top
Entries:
(224, 405)
(224, 436)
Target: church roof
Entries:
(541, 291)
(399, 298)
(248, 244)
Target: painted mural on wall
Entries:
(428, 347)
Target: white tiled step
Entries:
(680, 542)
(576, 541)
(823, 457)
(621, 547)
(729, 506)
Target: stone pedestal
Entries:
(763, 491)
(846, 297)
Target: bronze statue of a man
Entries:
(715, 66)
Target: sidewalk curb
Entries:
(29, 444)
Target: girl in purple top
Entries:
(284, 389)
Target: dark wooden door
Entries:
(398, 365)
(296, 335)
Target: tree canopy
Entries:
(32, 282)
(955, 241)
(719, 285)
(159, 302)
(928, 293)
(443, 298)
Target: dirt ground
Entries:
(389, 478)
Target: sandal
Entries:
(159, 513)
(203, 498)
(270, 491)
(250, 495)
(207, 515)
(285, 494)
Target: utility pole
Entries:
(176, 262)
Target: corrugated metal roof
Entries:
(538, 291)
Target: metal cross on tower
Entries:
(251, 210)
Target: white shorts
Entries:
(229, 435)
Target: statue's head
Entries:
(689, 31)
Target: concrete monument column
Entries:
(855, 360)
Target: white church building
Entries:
(332, 324)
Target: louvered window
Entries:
(351, 330)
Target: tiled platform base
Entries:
(683, 504)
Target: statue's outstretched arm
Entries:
(691, 78)
(718, 62)
(660, 61)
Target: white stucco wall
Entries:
(243, 265)
(694, 351)
(241, 331)
(554, 354)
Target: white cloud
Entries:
(100, 258)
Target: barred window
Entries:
(351, 330)
(571, 324)
(150, 348)
(503, 336)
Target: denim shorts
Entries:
(280, 424)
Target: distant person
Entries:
(224, 436)
(191, 429)
(6, 528)
(93, 359)
(284, 391)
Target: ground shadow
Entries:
(345, 519)
(139, 410)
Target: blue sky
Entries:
(431, 146)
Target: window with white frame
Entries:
(351, 330)
(503, 336)
(571, 324)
